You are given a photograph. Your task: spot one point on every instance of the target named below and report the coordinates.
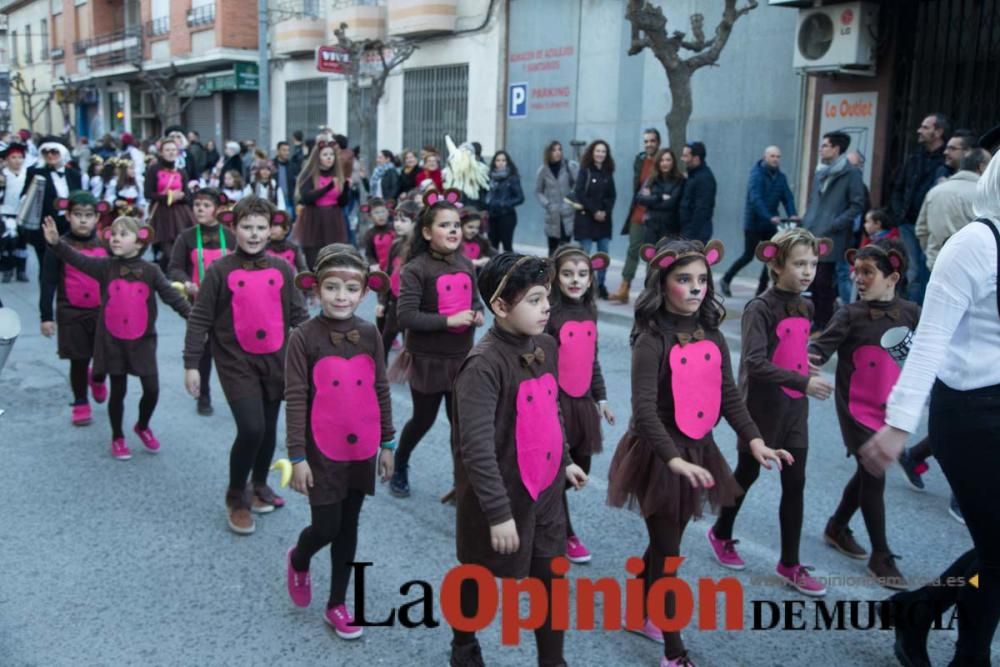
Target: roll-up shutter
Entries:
(200, 117)
(241, 116)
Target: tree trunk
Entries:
(681, 107)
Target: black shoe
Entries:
(912, 623)
(955, 511)
(910, 468)
(602, 292)
(22, 276)
(399, 485)
(466, 655)
(8, 276)
(205, 407)
(724, 287)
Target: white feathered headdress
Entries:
(463, 171)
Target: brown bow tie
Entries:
(685, 338)
(449, 259)
(352, 336)
(260, 263)
(799, 308)
(878, 313)
(134, 270)
(536, 357)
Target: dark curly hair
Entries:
(513, 274)
(418, 244)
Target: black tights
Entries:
(336, 525)
(582, 460)
(79, 381)
(922, 450)
(116, 402)
(205, 371)
(256, 427)
(425, 409)
(310, 255)
(865, 491)
(549, 642)
(793, 484)
(664, 540)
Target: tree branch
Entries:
(722, 32)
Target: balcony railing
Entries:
(57, 54)
(200, 16)
(158, 26)
(113, 48)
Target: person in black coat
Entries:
(595, 199)
(60, 180)
(504, 196)
(661, 197)
(698, 203)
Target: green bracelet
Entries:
(390, 445)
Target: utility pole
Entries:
(263, 78)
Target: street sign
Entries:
(517, 100)
(333, 60)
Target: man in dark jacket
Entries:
(642, 169)
(917, 176)
(60, 181)
(698, 203)
(837, 197)
(196, 153)
(287, 175)
(767, 189)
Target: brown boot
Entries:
(238, 513)
(882, 566)
(622, 293)
(842, 539)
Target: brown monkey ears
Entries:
(713, 254)
(377, 281)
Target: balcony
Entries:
(300, 29)
(365, 19)
(158, 27)
(202, 16)
(113, 48)
(422, 17)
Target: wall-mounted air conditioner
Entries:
(837, 38)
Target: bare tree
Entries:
(649, 30)
(168, 89)
(34, 102)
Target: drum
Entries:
(897, 342)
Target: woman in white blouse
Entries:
(956, 360)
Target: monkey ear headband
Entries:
(713, 254)
(599, 261)
(376, 281)
(768, 250)
(451, 196)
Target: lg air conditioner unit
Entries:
(837, 38)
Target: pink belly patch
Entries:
(471, 249)
(454, 291)
(126, 313)
(287, 255)
(577, 349)
(792, 352)
(258, 317)
(875, 374)
(345, 416)
(538, 433)
(696, 382)
(167, 180)
(208, 255)
(82, 291)
(383, 244)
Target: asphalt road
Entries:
(131, 563)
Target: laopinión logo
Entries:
(503, 597)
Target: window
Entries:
(57, 6)
(45, 39)
(435, 103)
(305, 106)
(27, 45)
(13, 48)
(56, 31)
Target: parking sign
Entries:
(517, 100)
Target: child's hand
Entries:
(695, 475)
(479, 320)
(882, 449)
(814, 370)
(48, 329)
(576, 476)
(481, 262)
(191, 288)
(380, 310)
(606, 412)
(302, 477)
(464, 318)
(504, 537)
(763, 454)
(192, 381)
(386, 464)
(815, 360)
(819, 387)
(50, 231)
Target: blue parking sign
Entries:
(517, 100)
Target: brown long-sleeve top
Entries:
(158, 178)
(507, 439)
(377, 244)
(574, 327)
(339, 409)
(682, 380)
(290, 252)
(248, 303)
(184, 257)
(77, 296)
(865, 372)
(432, 287)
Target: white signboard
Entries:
(854, 115)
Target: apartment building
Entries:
(26, 47)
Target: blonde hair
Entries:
(130, 224)
(787, 240)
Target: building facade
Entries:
(31, 89)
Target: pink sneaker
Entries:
(148, 439)
(99, 390)
(120, 450)
(797, 576)
(725, 552)
(81, 415)
(649, 631)
(575, 551)
(299, 583)
(680, 661)
(342, 623)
